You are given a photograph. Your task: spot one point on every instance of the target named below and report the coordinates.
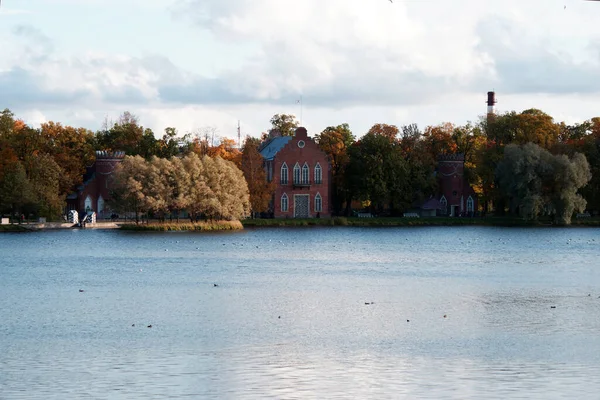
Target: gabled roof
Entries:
(431, 204)
(274, 146)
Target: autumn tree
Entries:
(72, 150)
(227, 182)
(284, 123)
(261, 191)
(439, 139)
(130, 180)
(388, 131)
(335, 141)
(201, 198)
(227, 151)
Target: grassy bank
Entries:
(13, 228)
(198, 226)
(437, 221)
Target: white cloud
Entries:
(356, 61)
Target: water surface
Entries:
(453, 313)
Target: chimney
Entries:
(491, 101)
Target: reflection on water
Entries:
(456, 313)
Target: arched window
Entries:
(318, 174)
(284, 203)
(284, 174)
(297, 174)
(305, 174)
(318, 203)
(470, 205)
(88, 204)
(100, 204)
(444, 204)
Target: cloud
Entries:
(523, 63)
(363, 60)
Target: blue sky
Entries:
(197, 63)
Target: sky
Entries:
(190, 64)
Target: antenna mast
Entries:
(239, 136)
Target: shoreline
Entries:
(414, 222)
(312, 222)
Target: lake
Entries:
(452, 313)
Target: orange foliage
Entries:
(438, 139)
(227, 151)
(389, 131)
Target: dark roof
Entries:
(431, 204)
(274, 146)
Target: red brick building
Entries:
(455, 195)
(302, 172)
(94, 193)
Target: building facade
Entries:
(93, 195)
(302, 173)
(456, 197)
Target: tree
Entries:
(335, 141)
(284, 123)
(439, 140)
(541, 183)
(234, 195)
(202, 200)
(389, 131)
(129, 194)
(261, 191)
(15, 189)
(72, 150)
(227, 183)
(44, 177)
(227, 151)
(124, 135)
(535, 126)
(377, 173)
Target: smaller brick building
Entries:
(302, 173)
(455, 195)
(94, 193)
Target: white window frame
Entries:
(470, 204)
(318, 174)
(305, 174)
(444, 204)
(88, 204)
(297, 174)
(285, 200)
(284, 174)
(100, 204)
(318, 203)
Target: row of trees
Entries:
(205, 187)
(39, 167)
(390, 168)
(519, 163)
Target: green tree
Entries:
(377, 173)
(15, 189)
(45, 176)
(539, 182)
(284, 123)
(124, 135)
